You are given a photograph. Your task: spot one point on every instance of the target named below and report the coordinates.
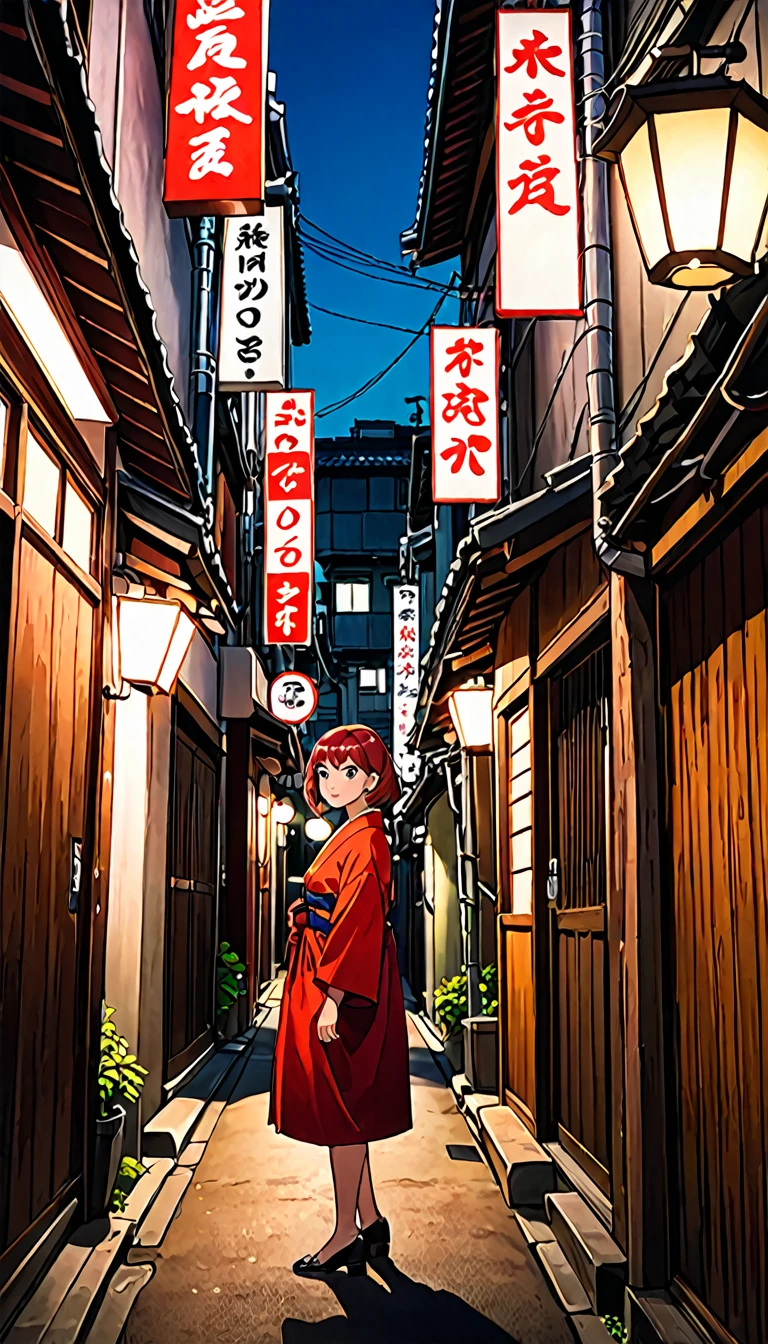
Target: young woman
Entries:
(341, 1061)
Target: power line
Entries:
(349, 247)
(370, 275)
(377, 377)
(367, 321)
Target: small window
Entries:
(373, 680)
(41, 485)
(78, 528)
(353, 596)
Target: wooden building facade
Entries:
(629, 698)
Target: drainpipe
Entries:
(202, 378)
(467, 878)
(598, 288)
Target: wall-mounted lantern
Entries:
(693, 159)
(471, 709)
(153, 636)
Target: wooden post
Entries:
(641, 1185)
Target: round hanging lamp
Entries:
(693, 159)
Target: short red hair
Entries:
(365, 749)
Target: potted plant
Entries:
(130, 1171)
(230, 988)
(481, 1035)
(120, 1076)
(451, 1009)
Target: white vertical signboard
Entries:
(252, 339)
(538, 264)
(289, 517)
(405, 688)
(464, 388)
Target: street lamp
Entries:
(317, 828)
(153, 636)
(693, 159)
(283, 812)
(471, 710)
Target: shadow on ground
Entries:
(399, 1311)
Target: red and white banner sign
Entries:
(538, 268)
(214, 160)
(289, 516)
(465, 415)
(405, 690)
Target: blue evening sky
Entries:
(353, 75)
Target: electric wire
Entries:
(377, 377)
(411, 284)
(367, 321)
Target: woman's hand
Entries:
(326, 1023)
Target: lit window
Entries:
(3, 432)
(78, 528)
(353, 597)
(41, 485)
(373, 679)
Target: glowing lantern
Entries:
(693, 159)
(153, 638)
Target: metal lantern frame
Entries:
(639, 105)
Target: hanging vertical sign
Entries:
(405, 689)
(214, 159)
(538, 269)
(465, 415)
(252, 337)
(289, 516)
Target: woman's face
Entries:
(343, 785)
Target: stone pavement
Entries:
(460, 1269)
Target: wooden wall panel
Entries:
(718, 735)
(518, 1007)
(571, 578)
(49, 742)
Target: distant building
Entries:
(361, 484)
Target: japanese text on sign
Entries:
(215, 155)
(538, 267)
(252, 342)
(289, 517)
(405, 689)
(464, 415)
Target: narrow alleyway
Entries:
(460, 1267)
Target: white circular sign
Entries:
(292, 697)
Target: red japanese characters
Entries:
(465, 415)
(538, 264)
(215, 155)
(289, 517)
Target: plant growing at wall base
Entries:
(131, 1170)
(451, 998)
(230, 978)
(616, 1328)
(120, 1074)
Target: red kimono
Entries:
(355, 1089)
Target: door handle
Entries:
(553, 883)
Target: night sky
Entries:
(354, 77)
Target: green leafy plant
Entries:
(616, 1328)
(131, 1169)
(451, 998)
(120, 1074)
(230, 978)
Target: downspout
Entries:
(202, 377)
(598, 289)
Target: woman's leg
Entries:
(346, 1166)
(366, 1199)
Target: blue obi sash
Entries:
(319, 910)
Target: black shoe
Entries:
(376, 1238)
(351, 1257)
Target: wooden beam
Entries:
(574, 632)
(635, 902)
